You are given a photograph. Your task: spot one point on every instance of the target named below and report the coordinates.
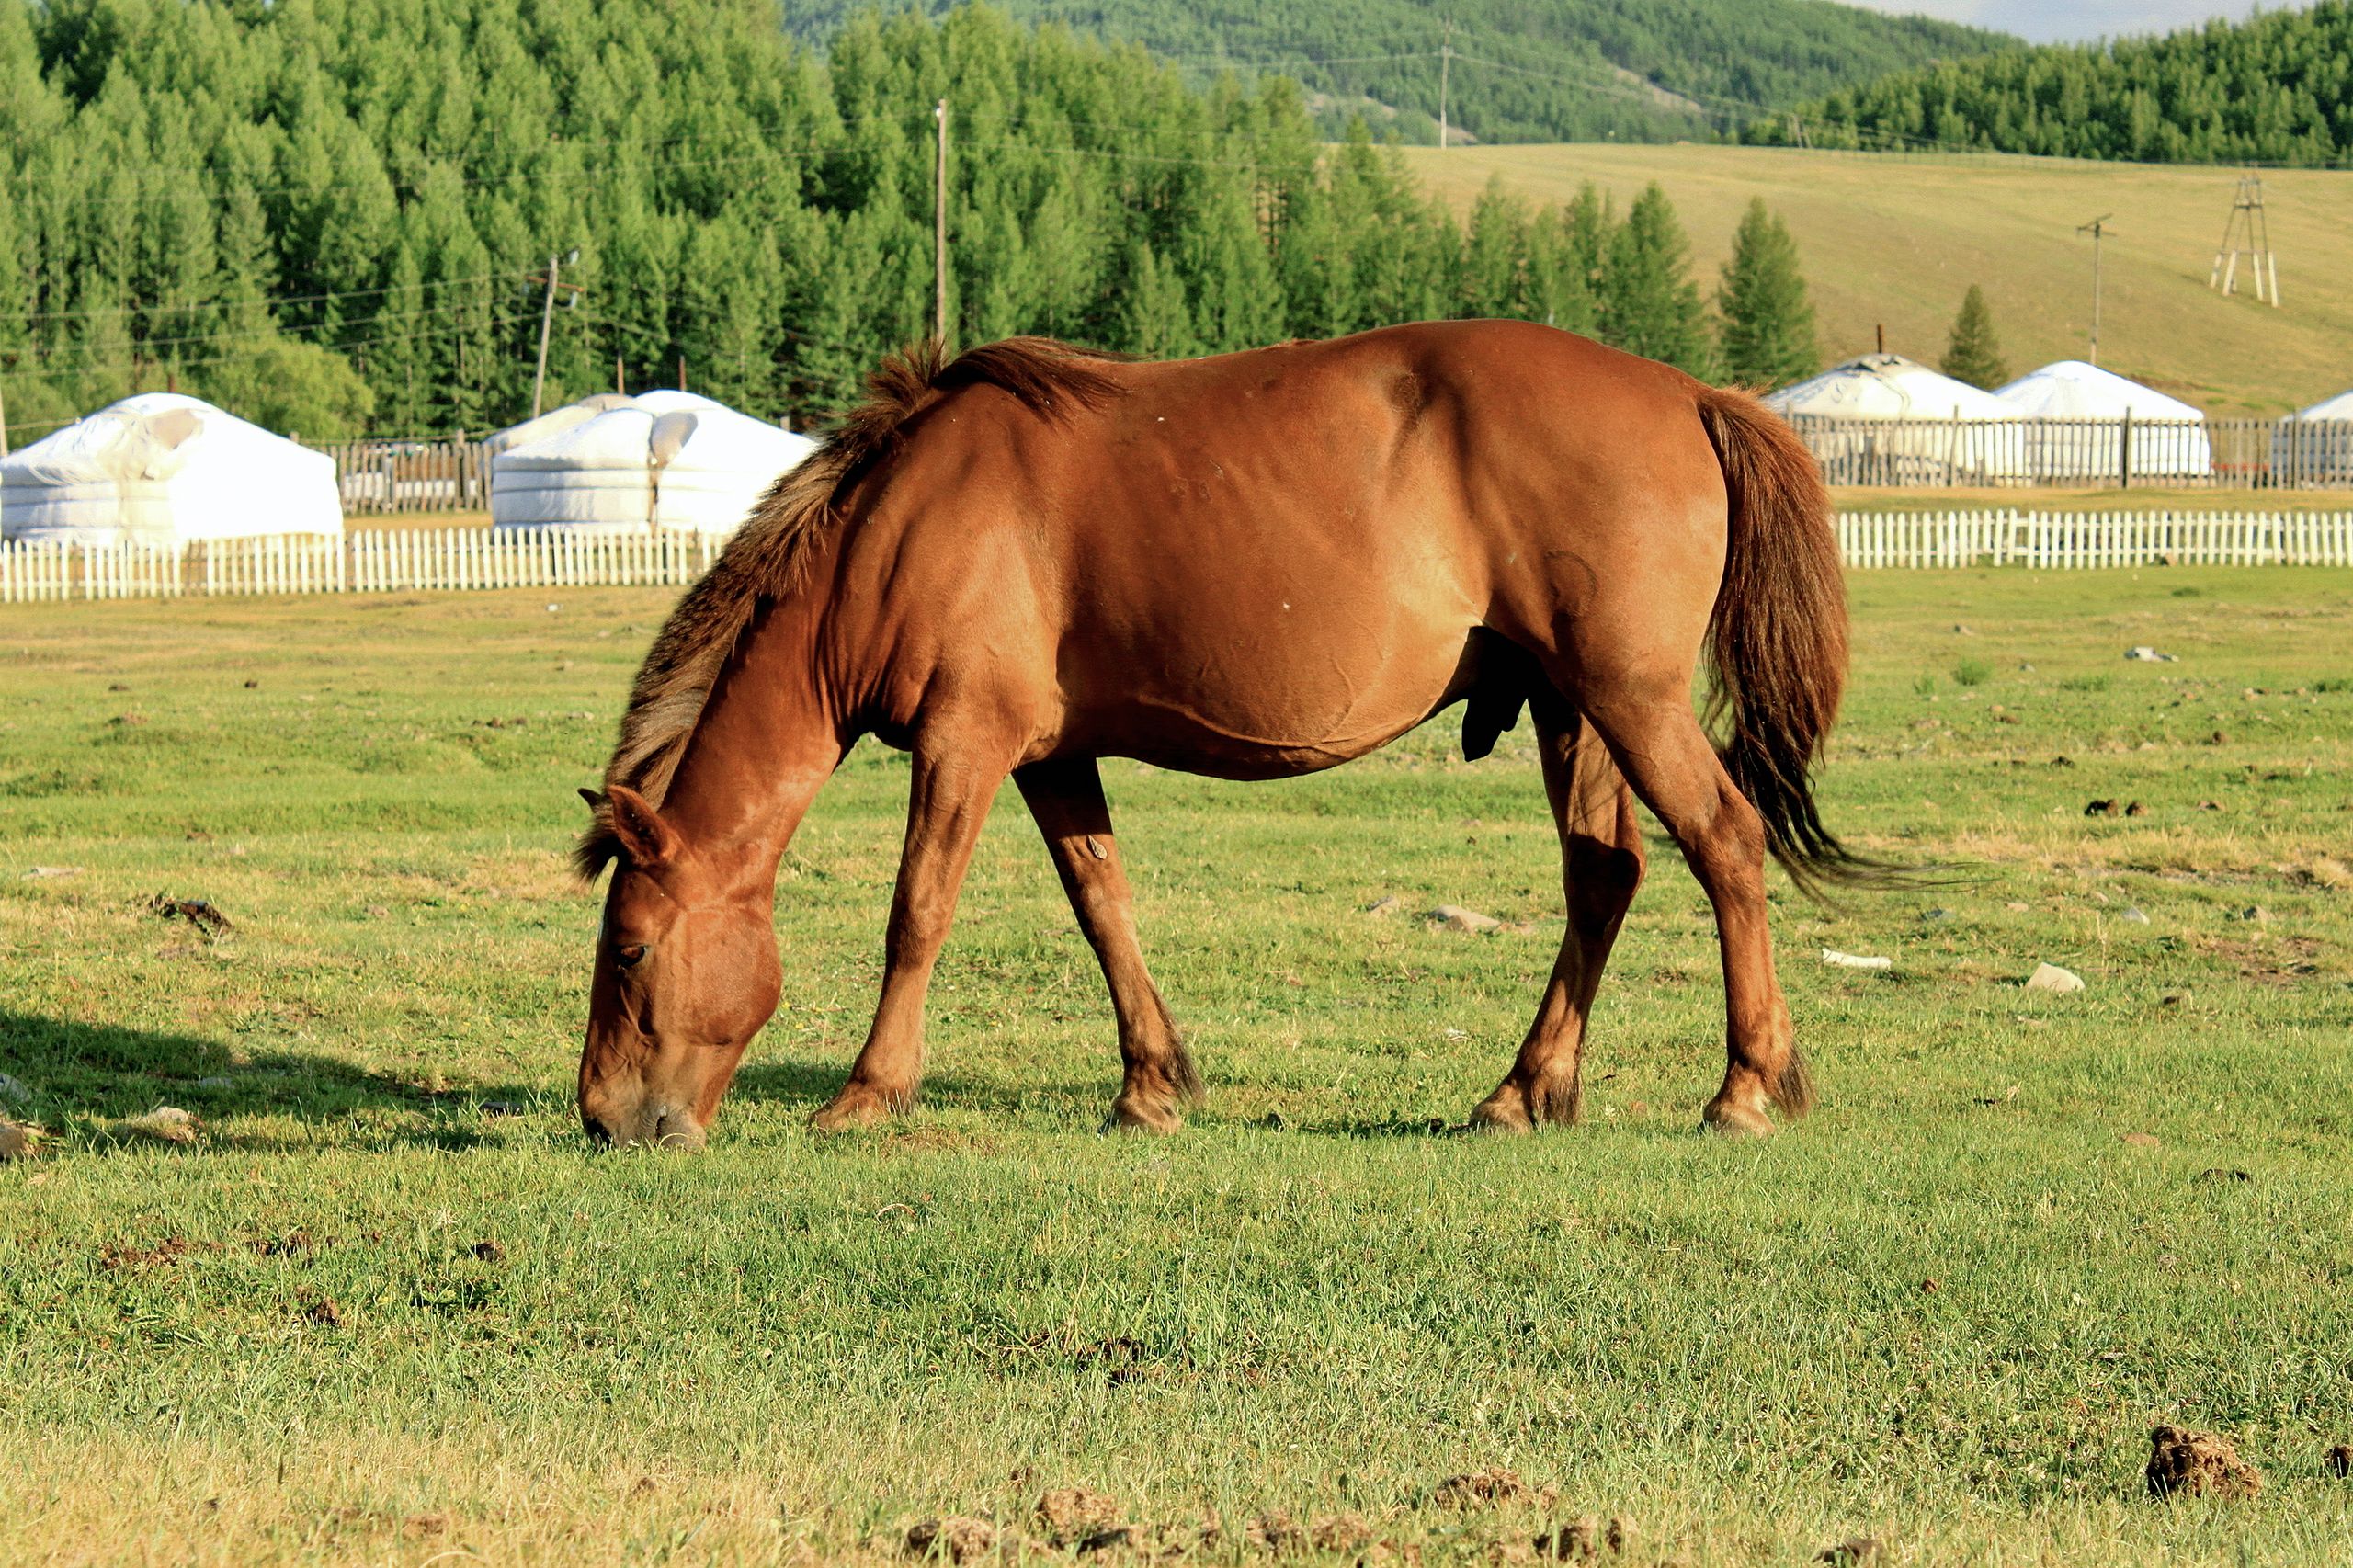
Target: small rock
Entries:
(2017, 906)
(2338, 1461)
(42, 873)
(2134, 915)
(2210, 805)
(165, 1124)
(1388, 906)
(2051, 978)
(2198, 1464)
(16, 1143)
(497, 1110)
(1936, 914)
(13, 1088)
(552, 608)
(1852, 1552)
(2145, 654)
(2063, 762)
(1961, 631)
(1837, 960)
(1454, 917)
(2143, 1139)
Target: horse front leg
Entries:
(1601, 865)
(946, 805)
(1158, 1078)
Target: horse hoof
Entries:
(1735, 1121)
(1127, 1116)
(847, 1112)
(1503, 1117)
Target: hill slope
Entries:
(1644, 70)
(1897, 241)
(2276, 88)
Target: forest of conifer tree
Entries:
(328, 213)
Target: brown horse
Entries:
(1251, 566)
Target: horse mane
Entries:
(768, 556)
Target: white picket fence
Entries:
(2066, 541)
(375, 561)
(379, 561)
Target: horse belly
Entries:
(1287, 694)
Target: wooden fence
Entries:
(377, 477)
(377, 561)
(2173, 453)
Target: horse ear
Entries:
(649, 840)
(595, 801)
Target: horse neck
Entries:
(770, 737)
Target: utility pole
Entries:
(547, 319)
(1445, 65)
(2247, 233)
(939, 228)
(2097, 230)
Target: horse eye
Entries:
(628, 954)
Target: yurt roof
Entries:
(703, 433)
(1888, 386)
(554, 421)
(2338, 407)
(2069, 389)
(163, 464)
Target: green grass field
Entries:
(392, 1308)
(1897, 241)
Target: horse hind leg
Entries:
(1601, 867)
(1666, 756)
(1158, 1079)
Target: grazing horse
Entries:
(1249, 566)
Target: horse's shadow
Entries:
(85, 1079)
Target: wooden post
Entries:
(939, 228)
(2124, 452)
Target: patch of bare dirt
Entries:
(959, 1537)
(1586, 1539)
(1489, 1489)
(1070, 1515)
(2198, 1464)
(1278, 1532)
(2280, 963)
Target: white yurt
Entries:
(662, 460)
(1974, 436)
(2315, 446)
(554, 422)
(165, 468)
(2168, 436)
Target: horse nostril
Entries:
(598, 1133)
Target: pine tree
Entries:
(1767, 338)
(1649, 305)
(1973, 354)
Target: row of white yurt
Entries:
(165, 468)
(1888, 388)
(2074, 414)
(663, 459)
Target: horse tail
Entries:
(1778, 637)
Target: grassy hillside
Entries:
(1633, 69)
(1897, 241)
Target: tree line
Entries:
(2275, 88)
(1565, 71)
(333, 216)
